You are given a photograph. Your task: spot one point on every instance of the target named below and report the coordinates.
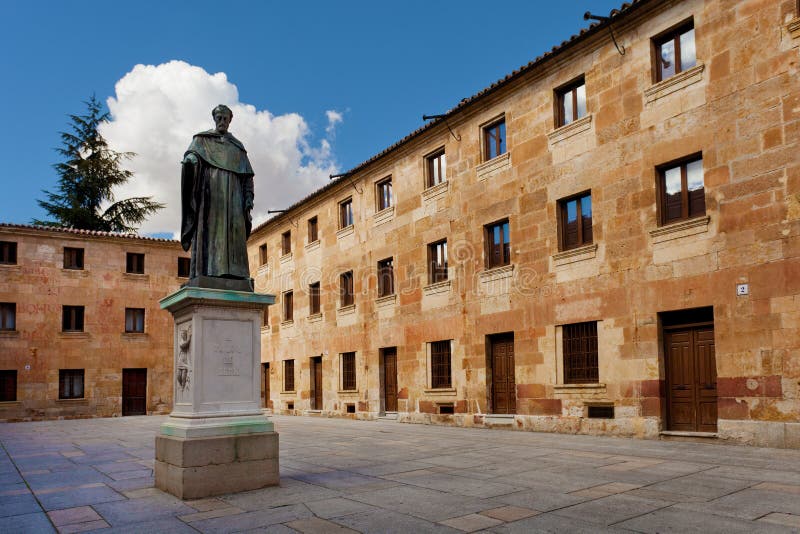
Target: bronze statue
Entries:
(216, 202)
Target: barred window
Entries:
(134, 263)
(8, 385)
(440, 365)
(70, 383)
(73, 258)
(580, 353)
(134, 320)
(288, 375)
(385, 277)
(348, 371)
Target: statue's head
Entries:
(222, 117)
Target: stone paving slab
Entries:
(340, 475)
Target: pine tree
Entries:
(88, 175)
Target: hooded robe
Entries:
(216, 184)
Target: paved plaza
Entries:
(339, 475)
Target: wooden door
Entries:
(134, 391)
(691, 379)
(390, 379)
(504, 394)
(316, 383)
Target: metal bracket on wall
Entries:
(332, 176)
(284, 211)
(442, 116)
(600, 18)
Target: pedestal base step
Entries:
(193, 468)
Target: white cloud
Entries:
(157, 109)
(334, 118)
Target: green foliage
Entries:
(88, 175)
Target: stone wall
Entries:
(739, 108)
(39, 286)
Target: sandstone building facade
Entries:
(81, 332)
(599, 242)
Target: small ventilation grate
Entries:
(350, 408)
(446, 409)
(601, 412)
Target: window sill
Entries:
(262, 269)
(440, 392)
(10, 403)
(314, 245)
(347, 392)
(292, 392)
(674, 83)
(586, 252)
(9, 333)
(139, 277)
(82, 400)
(438, 287)
(74, 272)
(383, 216)
(568, 130)
(497, 273)
(135, 336)
(346, 231)
(680, 229)
(74, 335)
(287, 324)
(346, 310)
(794, 28)
(493, 166)
(387, 301)
(438, 190)
(315, 318)
(10, 266)
(286, 258)
(580, 390)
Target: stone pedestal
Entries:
(216, 440)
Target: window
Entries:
(346, 289)
(8, 385)
(262, 254)
(436, 168)
(346, 213)
(313, 299)
(134, 320)
(8, 252)
(286, 242)
(72, 319)
(494, 139)
(571, 102)
(575, 221)
(134, 263)
(385, 277)
(312, 230)
(440, 365)
(8, 316)
(349, 371)
(288, 375)
(288, 306)
(682, 191)
(265, 317)
(437, 261)
(184, 264)
(498, 245)
(73, 258)
(675, 51)
(383, 192)
(580, 353)
(70, 383)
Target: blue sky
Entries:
(298, 68)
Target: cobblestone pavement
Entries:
(339, 475)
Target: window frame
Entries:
(134, 262)
(346, 289)
(263, 256)
(439, 379)
(313, 230)
(288, 375)
(436, 272)
(501, 141)
(384, 194)
(347, 371)
(386, 277)
(287, 304)
(588, 355)
(187, 262)
(672, 34)
(661, 189)
(68, 376)
(134, 317)
(73, 258)
(314, 300)
(489, 246)
(286, 243)
(562, 221)
(345, 209)
(74, 317)
(570, 88)
(8, 377)
(8, 252)
(8, 316)
(435, 160)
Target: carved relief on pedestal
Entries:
(183, 369)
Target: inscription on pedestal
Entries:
(229, 354)
(228, 361)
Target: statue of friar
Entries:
(216, 202)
